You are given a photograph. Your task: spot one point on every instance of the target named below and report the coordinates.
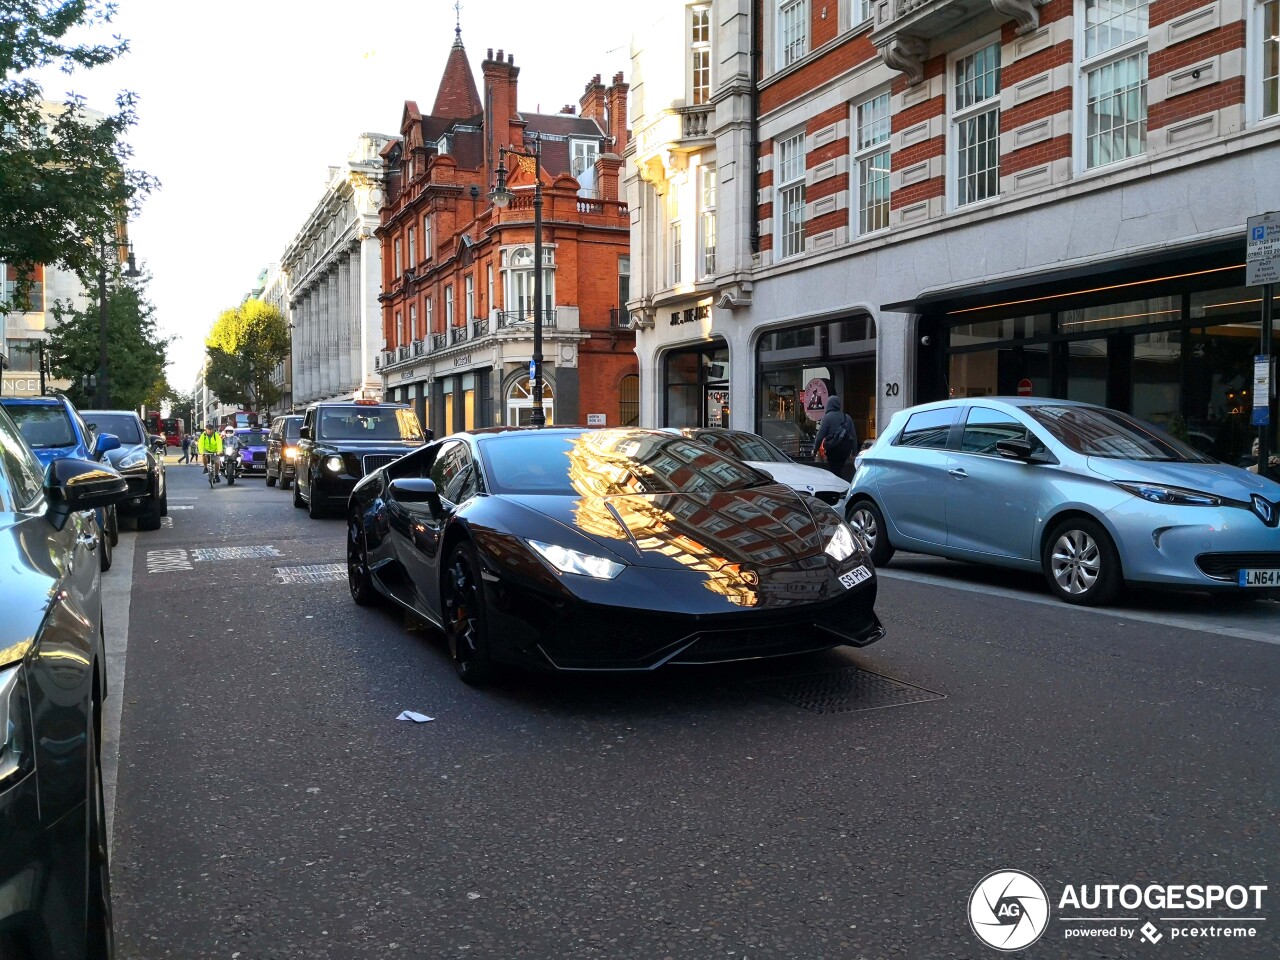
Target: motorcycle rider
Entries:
(210, 448)
(231, 448)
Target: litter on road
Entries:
(415, 717)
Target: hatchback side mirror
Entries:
(74, 484)
(1014, 449)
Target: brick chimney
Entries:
(617, 100)
(502, 124)
(592, 102)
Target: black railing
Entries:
(480, 327)
(439, 341)
(458, 334)
(524, 318)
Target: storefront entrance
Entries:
(799, 367)
(697, 386)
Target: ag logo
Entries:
(1008, 910)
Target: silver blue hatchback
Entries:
(1092, 497)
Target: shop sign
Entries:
(814, 397)
(717, 406)
(462, 361)
(1262, 253)
(1262, 387)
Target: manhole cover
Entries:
(845, 691)
(312, 573)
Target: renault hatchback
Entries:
(1092, 497)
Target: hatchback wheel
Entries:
(1081, 564)
(868, 523)
(466, 626)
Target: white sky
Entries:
(243, 106)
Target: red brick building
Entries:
(457, 301)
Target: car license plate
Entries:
(1259, 578)
(855, 576)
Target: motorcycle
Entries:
(231, 466)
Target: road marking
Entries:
(312, 573)
(181, 506)
(166, 522)
(1183, 623)
(167, 561)
(234, 553)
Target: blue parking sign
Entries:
(1259, 233)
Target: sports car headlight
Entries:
(335, 464)
(290, 452)
(571, 561)
(841, 546)
(132, 460)
(17, 756)
(1173, 496)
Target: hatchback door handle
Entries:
(958, 473)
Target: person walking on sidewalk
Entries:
(186, 449)
(836, 436)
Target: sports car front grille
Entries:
(376, 461)
(1226, 566)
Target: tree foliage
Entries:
(135, 349)
(245, 346)
(65, 180)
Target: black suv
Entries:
(340, 441)
(282, 448)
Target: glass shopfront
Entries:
(696, 381)
(1174, 349)
(799, 367)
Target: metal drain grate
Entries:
(845, 691)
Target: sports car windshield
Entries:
(1095, 432)
(605, 463)
(126, 428)
(43, 426)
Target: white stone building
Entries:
(332, 273)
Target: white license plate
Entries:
(855, 576)
(1259, 578)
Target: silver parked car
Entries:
(1092, 497)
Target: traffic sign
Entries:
(1024, 387)
(1262, 252)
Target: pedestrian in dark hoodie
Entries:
(837, 432)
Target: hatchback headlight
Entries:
(17, 756)
(133, 460)
(335, 464)
(1172, 496)
(841, 546)
(571, 561)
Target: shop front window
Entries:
(697, 386)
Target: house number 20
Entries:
(890, 389)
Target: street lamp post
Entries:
(501, 196)
(104, 398)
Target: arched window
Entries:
(520, 402)
(517, 283)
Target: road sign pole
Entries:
(1264, 430)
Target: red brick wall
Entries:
(1197, 102)
(836, 61)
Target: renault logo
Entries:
(1265, 510)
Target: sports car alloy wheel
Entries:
(464, 616)
(1080, 563)
(358, 578)
(868, 524)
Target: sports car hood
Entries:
(760, 527)
(1215, 478)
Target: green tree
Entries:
(245, 346)
(135, 349)
(65, 180)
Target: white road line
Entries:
(1183, 623)
(117, 591)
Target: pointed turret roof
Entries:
(457, 97)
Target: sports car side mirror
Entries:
(415, 490)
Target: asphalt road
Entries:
(269, 804)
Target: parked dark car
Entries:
(138, 462)
(282, 448)
(253, 450)
(624, 549)
(55, 888)
(54, 429)
(340, 442)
